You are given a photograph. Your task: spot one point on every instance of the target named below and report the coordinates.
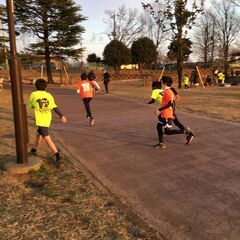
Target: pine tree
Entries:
(57, 25)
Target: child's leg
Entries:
(38, 141)
(50, 144)
(160, 132)
(177, 123)
(86, 102)
(169, 131)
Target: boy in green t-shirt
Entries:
(157, 93)
(43, 102)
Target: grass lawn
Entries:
(220, 103)
(56, 202)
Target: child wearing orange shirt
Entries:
(166, 115)
(85, 88)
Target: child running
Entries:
(166, 116)
(43, 102)
(86, 88)
(157, 93)
(156, 97)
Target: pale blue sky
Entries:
(94, 10)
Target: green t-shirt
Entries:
(185, 80)
(43, 103)
(157, 95)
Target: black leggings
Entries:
(169, 131)
(86, 102)
(177, 123)
(106, 86)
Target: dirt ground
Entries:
(56, 202)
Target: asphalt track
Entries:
(184, 192)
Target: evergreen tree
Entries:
(116, 54)
(186, 48)
(144, 52)
(57, 25)
(93, 58)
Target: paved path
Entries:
(185, 192)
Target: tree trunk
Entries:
(47, 55)
(180, 59)
(48, 64)
(225, 59)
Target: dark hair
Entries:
(91, 75)
(41, 84)
(156, 85)
(84, 76)
(167, 80)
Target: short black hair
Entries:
(41, 84)
(156, 85)
(84, 76)
(167, 80)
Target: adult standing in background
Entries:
(91, 75)
(106, 80)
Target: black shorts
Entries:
(43, 131)
(165, 122)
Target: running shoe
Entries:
(160, 145)
(92, 121)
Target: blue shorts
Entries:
(165, 122)
(43, 131)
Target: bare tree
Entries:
(228, 27)
(205, 38)
(156, 23)
(124, 25)
(236, 2)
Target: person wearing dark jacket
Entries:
(106, 80)
(91, 75)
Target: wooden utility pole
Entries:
(20, 119)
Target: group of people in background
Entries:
(217, 78)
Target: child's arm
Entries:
(169, 104)
(152, 101)
(96, 86)
(60, 114)
(176, 96)
(30, 102)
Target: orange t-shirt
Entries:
(86, 89)
(168, 96)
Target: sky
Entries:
(94, 39)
